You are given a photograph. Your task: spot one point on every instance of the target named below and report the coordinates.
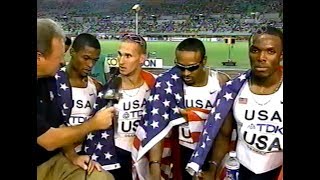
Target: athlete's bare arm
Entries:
(223, 78)
(155, 154)
(221, 147)
(97, 83)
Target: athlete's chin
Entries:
(189, 83)
(85, 74)
(261, 74)
(123, 72)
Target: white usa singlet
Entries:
(260, 129)
(198, 97)
(83, 101)
(130, 108)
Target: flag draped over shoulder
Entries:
(162, 111)
(100, 144)
(64, 93)
(222, 106)
(65, 101)
(160, 116)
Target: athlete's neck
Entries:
(75, 78)
(267, 85)
(132, 81)
(275, 78)
(202, 79)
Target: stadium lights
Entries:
(136, 8)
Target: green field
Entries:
(216, 52)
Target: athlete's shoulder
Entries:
(154, 75)
(222, 77)
(97, 83)
(149, 78)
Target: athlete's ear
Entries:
(72, 52)
(142, 58)
(204, 61)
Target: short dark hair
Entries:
(85, 39)
(192, 44)
(68, 41)
(267, 30)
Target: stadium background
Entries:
(164, 23)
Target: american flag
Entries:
(64, 93)
(104, 151)
(100, 144)
(243, 100)
(160, 116)
(222, 106)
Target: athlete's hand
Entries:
(209, 175)
(86, 163)
(184, 113)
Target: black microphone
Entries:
(114, 71)
(112, 94)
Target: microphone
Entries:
(112, 94)
(114, 71)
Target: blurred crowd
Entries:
(97, 16)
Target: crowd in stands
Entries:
(97, 16)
